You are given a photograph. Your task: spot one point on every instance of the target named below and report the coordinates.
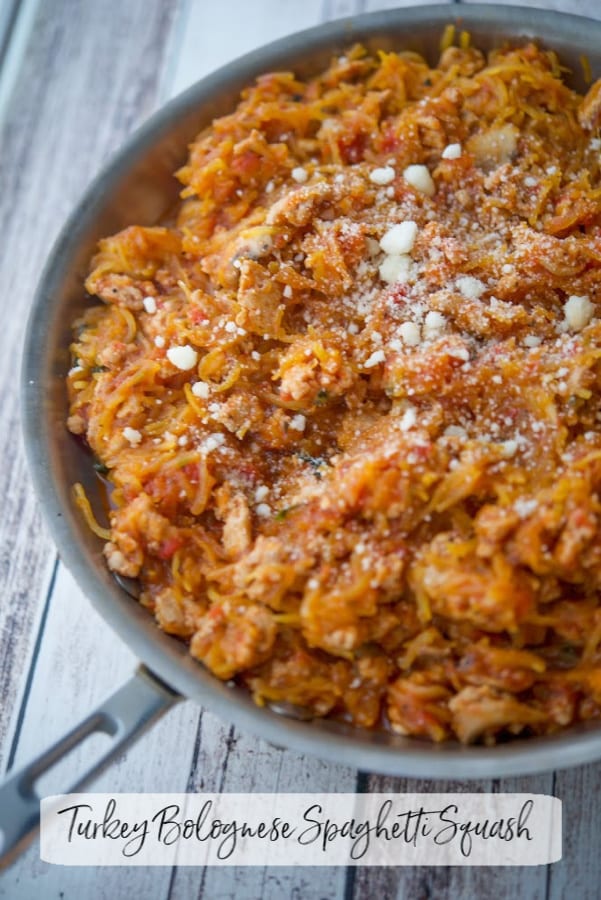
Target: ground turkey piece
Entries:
(233, 637)
(137, 528)
(478, 711)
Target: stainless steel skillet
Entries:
(138, 187)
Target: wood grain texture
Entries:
(71, 677)
(217, 32)
(577, 7)
(579, 872)
(46, 161)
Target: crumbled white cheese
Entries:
(455, 431)
(469, 287)
(150, 305)
(509, 448)
(299, 174)
(256, 356)
(261, 492)
(213, 442)
(532, 340)
(382, 175)
(263, 510)
(419, 178)
(507, 269)
(287, 292)
(410, 334)
(182, 440)
(524, 507)
(434, 324)
(298, 422)
(377, 357)
(459, 353)
(529, 181)
(116, 560)
(399, 239)
(409, 419)
(396, 268)
(452, 151)
(578, 312)
(200, 389)
(132, 435)
(159, 341)
(183, 358)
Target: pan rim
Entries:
(384, 753)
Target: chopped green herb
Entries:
(282, 513)
(316, 462)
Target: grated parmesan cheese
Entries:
(299, 174)
(132, 435)
(396, 268)
(578, 312)
(399, 239)
(434, 324)
(410, 333)
(452, 151)
(298, 422)
(374, 360)
(409, 419)
(200, 389)
(183, 358)
(383, 175)
(469, 287)
(419, 178)
(509, 448)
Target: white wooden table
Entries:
(76, 77)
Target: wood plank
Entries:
(210, 41)
(104, 62)
(373, 5)
(340, 9)
(577, 7)
(229, 761)
(71, 677)
(449, 883)
(579, 872)
(46, 162)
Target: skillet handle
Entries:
(123, 716)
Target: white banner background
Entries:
(301, 829)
